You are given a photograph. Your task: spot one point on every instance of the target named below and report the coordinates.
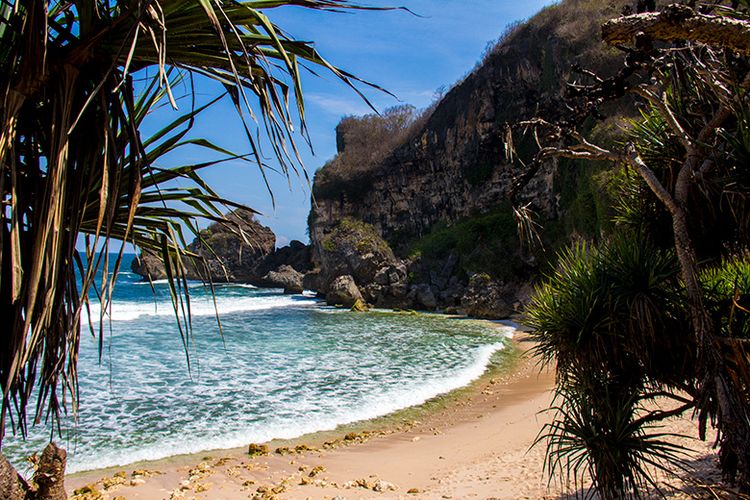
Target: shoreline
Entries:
(503, 371)
(473, 442)
(494, 356)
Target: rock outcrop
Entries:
(296, 255)
(353, 248)
(343, 291)
(487, 298)
(285, 277)
(240, 251)
(228, 251)
(149, 266)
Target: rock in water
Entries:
(226, 256)
(229, 257)
(285, 277)
(344, 292)
(360, 306)
(149, 265)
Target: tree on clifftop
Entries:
(664, 307)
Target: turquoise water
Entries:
(285, 366)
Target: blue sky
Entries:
(410, 56)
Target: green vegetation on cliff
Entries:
(485, 243)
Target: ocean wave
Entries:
(123, 310)
(195, 283)
(375, 405)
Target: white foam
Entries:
(191, 284)
(377, 405)
(122, 310)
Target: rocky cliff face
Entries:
(453, 167)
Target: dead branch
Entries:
(679, 22)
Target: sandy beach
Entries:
(474, 445)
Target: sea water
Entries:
(280, 366)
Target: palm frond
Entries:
(73, 162)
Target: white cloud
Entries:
(337, 105)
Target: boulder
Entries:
(343, 291)
(424, 296)
(285, 277)
(360, 306)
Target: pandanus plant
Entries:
(77, 80)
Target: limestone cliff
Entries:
(453, 168)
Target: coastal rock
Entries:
(296, 255)
(449, 167)
(285, 277)
(149, 265)
(312, 280)
(360, 306)
(487, 298)
(425, 297)
(352, 248)
(254, 449)
(343, 291)
(228, 252)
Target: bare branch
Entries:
(636, 162)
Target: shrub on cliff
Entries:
(484, 243)
(362, 143)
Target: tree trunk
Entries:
(718, 394)
(679, 22)
(50, 475)
(12, 487)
